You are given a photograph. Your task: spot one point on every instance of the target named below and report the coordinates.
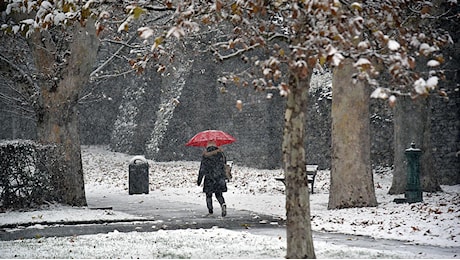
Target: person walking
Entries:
(212, 169)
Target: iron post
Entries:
(413, 188)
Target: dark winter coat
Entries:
(212, 168)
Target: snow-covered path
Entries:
(166, 216)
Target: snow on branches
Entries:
(45, 14)
(384, 38)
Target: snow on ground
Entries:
(435, 221)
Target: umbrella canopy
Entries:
(218, 136)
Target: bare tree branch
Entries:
(125, 44)
(19, 93)
(31, 117)
(113, 56)
(17, 103)
(115, 75)
(236, 53)
(29, 79)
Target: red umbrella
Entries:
(202, 138)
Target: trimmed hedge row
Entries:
(28, 173)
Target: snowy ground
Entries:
(435, 221)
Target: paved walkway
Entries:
(162, 214)
(156, 214)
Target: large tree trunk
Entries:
(352, 183)
(299, 235)
(412, 123)
(59, 124)
(64, 61)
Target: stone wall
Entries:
(214, 108)
(445, 138)
(188, 99)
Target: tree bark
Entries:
(299, 235)
(412, 123)
(64, 61)
(352, 183)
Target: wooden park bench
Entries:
(311, 174)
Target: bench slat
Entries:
(311, 173)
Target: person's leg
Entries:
(209, 202)
(221, 200)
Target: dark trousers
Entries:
(219, 198)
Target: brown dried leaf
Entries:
(99, 29)
(206, 20)
(218, 6)
(442, 93)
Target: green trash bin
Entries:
(138, 176)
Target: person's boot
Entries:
(224, 210)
